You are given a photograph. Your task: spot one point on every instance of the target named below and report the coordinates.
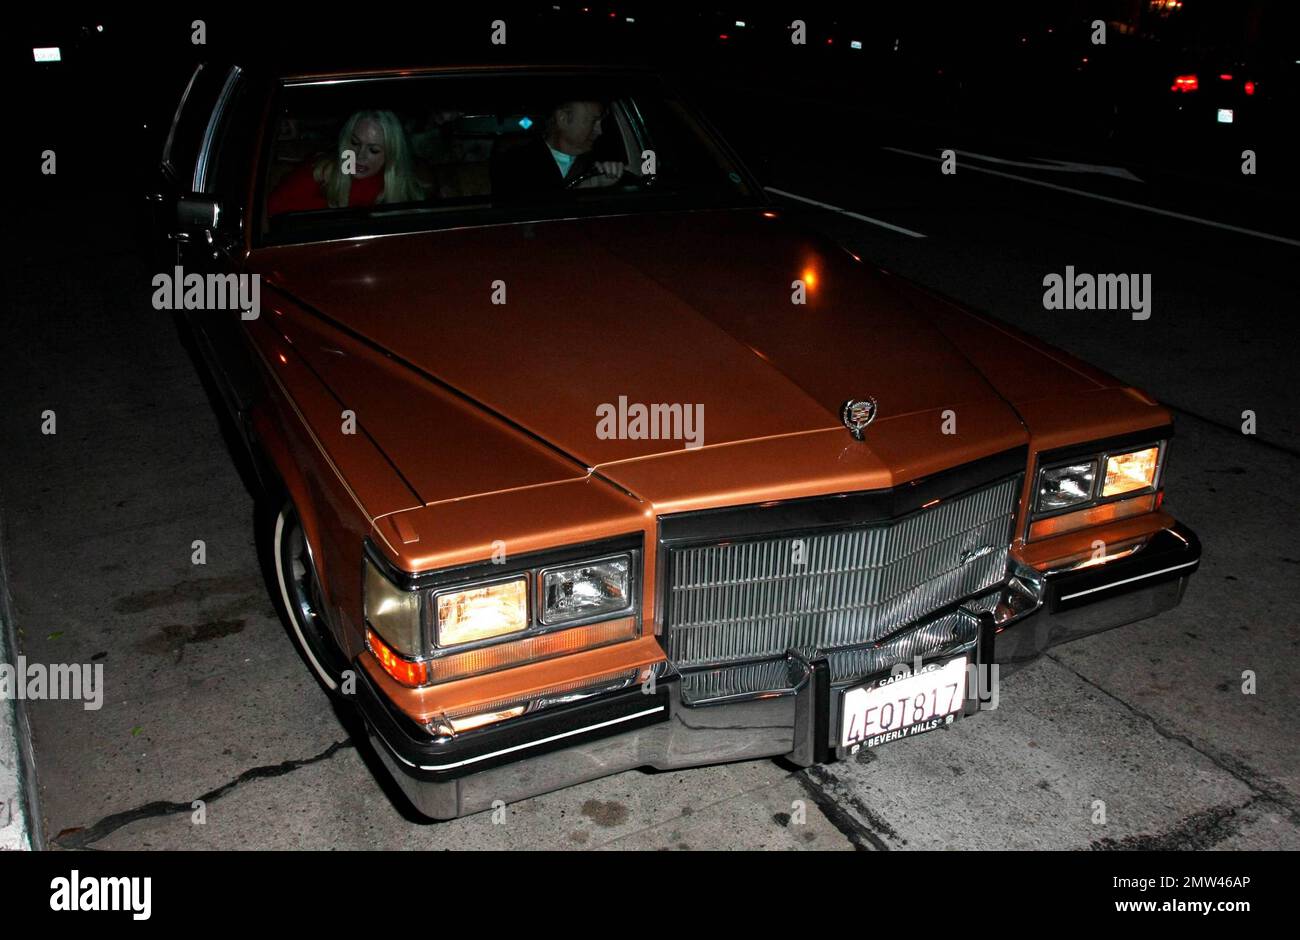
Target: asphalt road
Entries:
(207, 700)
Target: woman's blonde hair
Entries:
(400, 182)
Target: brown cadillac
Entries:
(581, 456)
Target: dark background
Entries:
(1011, 72)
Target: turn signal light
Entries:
(530, 650)
(405, 671)
(1096, 515)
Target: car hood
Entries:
(562, 328)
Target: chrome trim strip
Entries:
(520, 747)
(402, 233)
(1089, 563)
(200, 180)
(470, 71)
(1149, 574)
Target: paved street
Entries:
(207, 699)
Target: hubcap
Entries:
(304, 587)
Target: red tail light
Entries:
(1184, 83)
(1250, 88)
(1225, 76)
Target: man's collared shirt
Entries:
(562, 159)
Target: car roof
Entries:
(452, 42)
(300, 73)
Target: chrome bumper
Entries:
(678, 736)
(1092, 599)
(658, 728)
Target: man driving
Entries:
(560, 157)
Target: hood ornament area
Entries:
(857, 413)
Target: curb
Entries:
(18, 794)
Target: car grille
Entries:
(731, 602)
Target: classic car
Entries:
(628, 469)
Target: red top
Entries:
(299, 191)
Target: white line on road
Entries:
(1063, 166)
(852, 215)
(1111, 199)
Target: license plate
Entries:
(892, 708)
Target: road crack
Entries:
(1199, 831)
(817, 780)
(82, 837)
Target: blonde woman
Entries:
(373, 146)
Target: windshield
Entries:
(380, 155)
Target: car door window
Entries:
(231, 156)
(474, 148)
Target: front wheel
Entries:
(295, 572)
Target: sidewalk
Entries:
(17, 772)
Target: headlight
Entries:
(1096, 489)
(394, 614)
(1063, 487)
(575, 592)
(443, 626)
(1135, 470)
(482, 612)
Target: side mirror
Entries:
(198, 213)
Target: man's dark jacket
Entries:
(526, 168)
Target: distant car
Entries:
(635, 472)
(1213, 92)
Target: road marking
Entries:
(1119, 202)
(1062, 166)
(852, 215)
